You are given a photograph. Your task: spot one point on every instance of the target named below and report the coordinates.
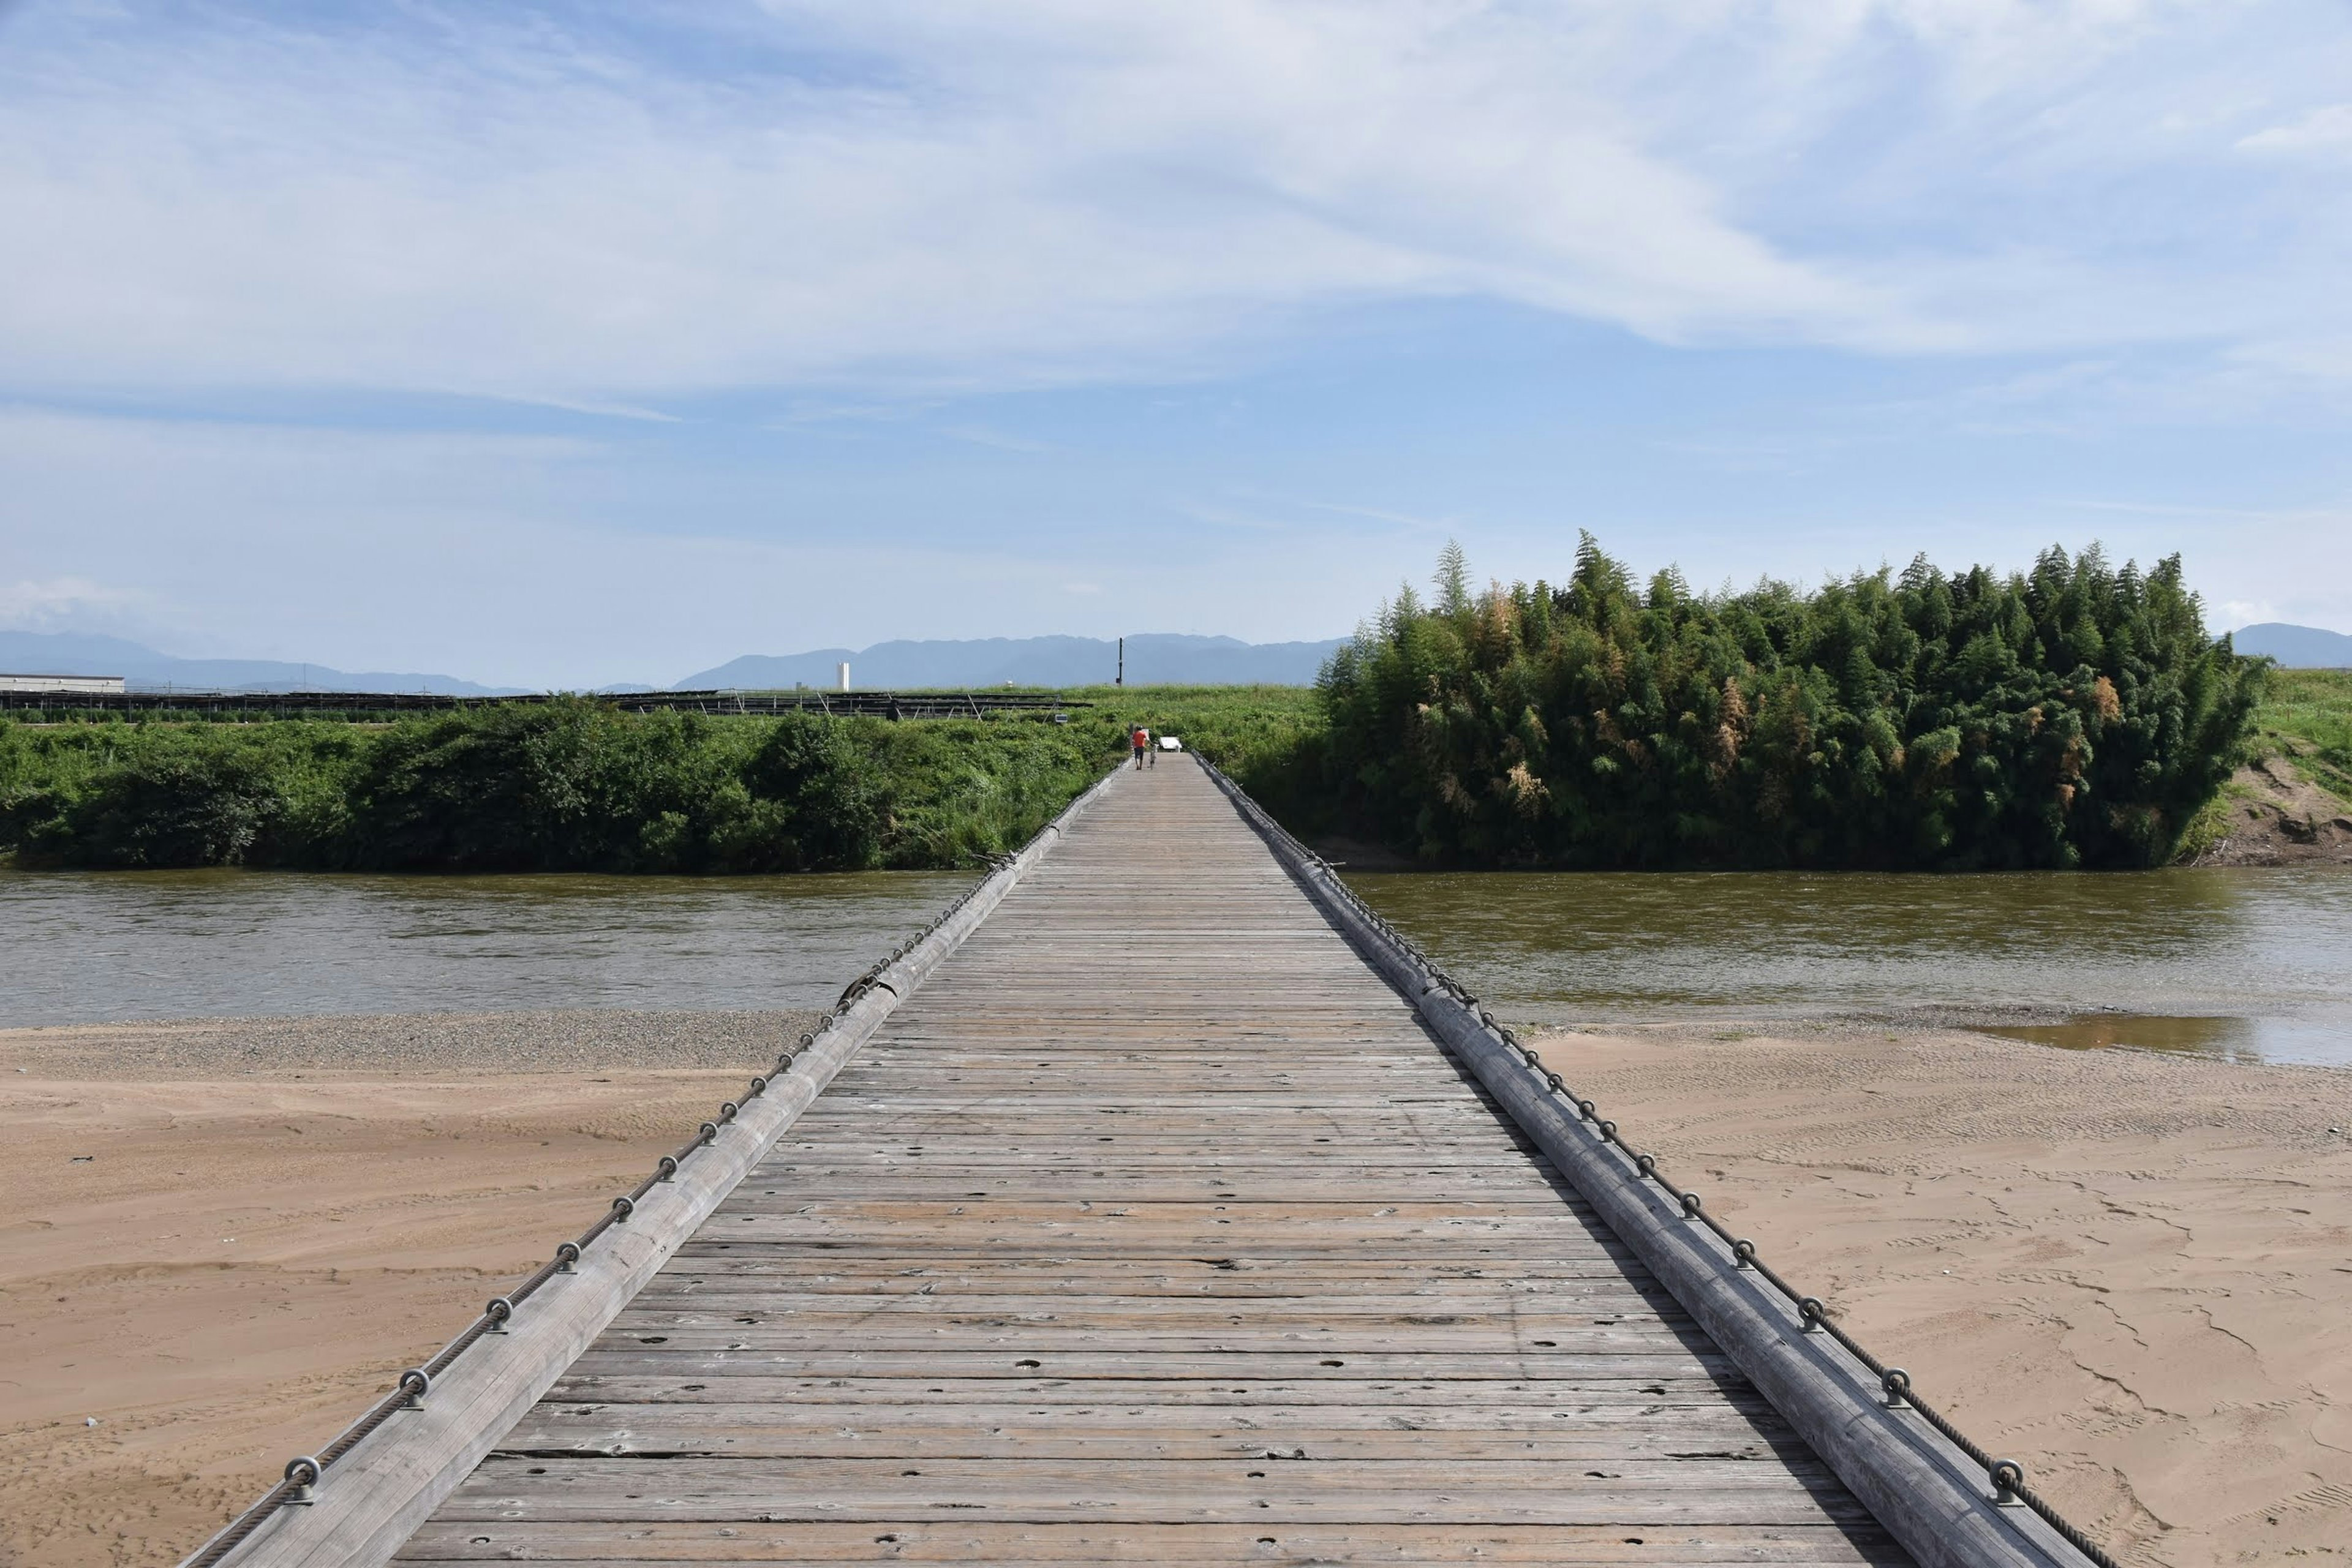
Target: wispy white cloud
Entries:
(595, 408)
(2326, 130)
(1045, 190)
(2238, 613)
(53, 603)
(802, 416)
(1002, 441)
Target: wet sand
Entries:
(220, 1245)
(2131, 1272)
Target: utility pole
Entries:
(1122, 663)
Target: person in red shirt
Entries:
(1143, 742)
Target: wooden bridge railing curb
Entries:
(367, 1503)
(1919, 1485)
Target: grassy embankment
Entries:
(2305, 716)
(580, 786)
(2296, 766)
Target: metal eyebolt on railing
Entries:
(2005, 1476)
(306, 1475)
(1897, 1383)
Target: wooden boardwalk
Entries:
(1153, 1228)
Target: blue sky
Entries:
(589, 343)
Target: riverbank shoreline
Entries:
(2128, 1269)
(231, 1234)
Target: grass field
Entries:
(2306, 716)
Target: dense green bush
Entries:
(202, 807)
(581, 785)
(2075, 715)
(157, 796)
(573, 785)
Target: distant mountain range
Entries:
(144, 669)
(2298, 647)
(1153, 659)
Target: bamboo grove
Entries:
(2075, 715)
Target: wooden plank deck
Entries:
(1153, 1228)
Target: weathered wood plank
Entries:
(1531, 1316)
(1214, 1397)
(1088, 1544)
(1021, 1361)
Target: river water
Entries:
(2253, 964)
(107, 947)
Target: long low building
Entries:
(74, 684)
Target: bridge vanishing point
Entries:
(1160, 1206)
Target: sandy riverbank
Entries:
(2128, 1270)
(224, 1238)
(2131, 1272)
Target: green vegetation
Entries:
(2302, 734)
(566, 786)
(2306, 716)
(2076, 715)
(578, 785)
